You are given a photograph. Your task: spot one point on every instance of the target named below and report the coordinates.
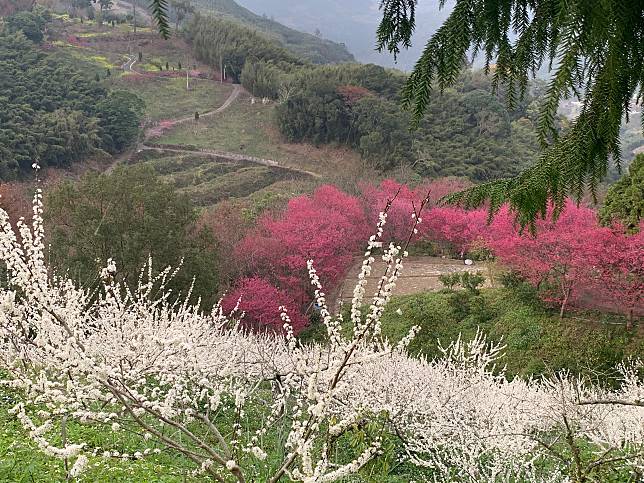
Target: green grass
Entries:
(239, 129)
(168, 98)
(249, 129)
(538, 341)
(21, 461)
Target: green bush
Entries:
(537, 341)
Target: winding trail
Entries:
(129, 65)
(237, 90)
(145, 144)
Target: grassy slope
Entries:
(21, 461)
(249, 129)
(537, 340)
(243, 128)
(169, 99)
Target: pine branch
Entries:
(159, 10)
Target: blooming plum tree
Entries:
(164, 375)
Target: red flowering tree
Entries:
(619, 269)
(558, 260)
(447, 225)
(399, 215)
(328, 227)
(260, 301)
(457, 228)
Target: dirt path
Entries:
(225, 155)
(420, 274)
(237, 90)
(128, 66)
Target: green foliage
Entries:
(216, 40)
(306, 46)
(318, 114)
(467, 131)
(54, 112)
(119, 116)
(70, 136)
(471, 282)
(597, 50)
(625, 199)
(128, 215)
(31, 24)
(537, 340)
(450, 280)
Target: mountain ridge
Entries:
(308, 46)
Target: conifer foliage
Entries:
(597, 52)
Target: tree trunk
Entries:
(564, 302)
(134, 15)
(629, 319)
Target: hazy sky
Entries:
(353, 22)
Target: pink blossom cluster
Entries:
(572, 261)
(328, 226)
(161, 375)
(158, 128)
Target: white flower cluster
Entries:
(196, 384)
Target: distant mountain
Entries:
(307, 45)
(354, 23)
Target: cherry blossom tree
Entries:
(166, 376)
(558, 259)
(618, 268)
(258, 302)
(327, 226)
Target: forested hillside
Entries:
(468, 130)
(55, 108)
(217, 41)
(307, 46)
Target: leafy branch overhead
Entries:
(595, 52)
(159, 10)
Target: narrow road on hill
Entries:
(128, 66)
(237, 90)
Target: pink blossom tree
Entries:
(557, 259)
(259, 301)
(619, 269)
(327, 227)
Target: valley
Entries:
(238, 255)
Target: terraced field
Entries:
(208, 179)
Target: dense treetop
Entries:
(55, 112)
(217, 40)
(467, 131)
(306, 46)
(128, 215)
(625, 199)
